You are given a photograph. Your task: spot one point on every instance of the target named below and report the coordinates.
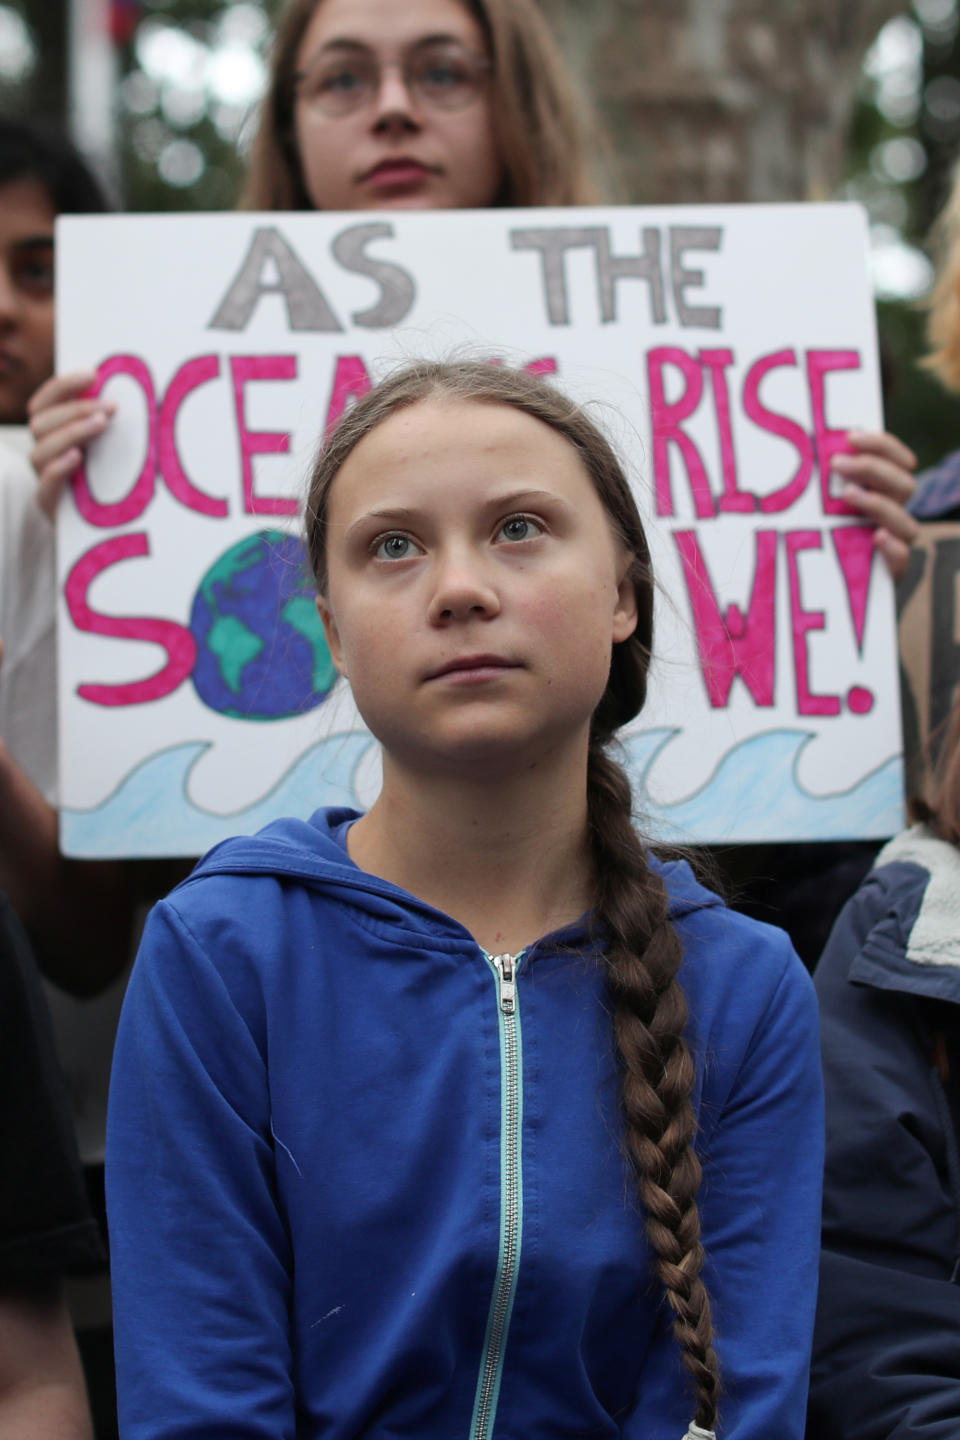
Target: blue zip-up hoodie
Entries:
(354, 1191)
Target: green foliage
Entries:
(181, 129)
(903, 143)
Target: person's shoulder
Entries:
(246, 881)
(899, 930)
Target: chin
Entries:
(420, 200)
(13, 411)
(490, 753)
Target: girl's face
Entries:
(392, 107)
(475, 587)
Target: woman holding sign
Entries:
(429, 104)
(467, 1116)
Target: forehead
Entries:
(26, 211)
(457, 453)
(389, 24)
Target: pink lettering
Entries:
(175, 639)
(547, 365)
(731, 643)
(802, 622)
(132, 506)
(733, 498)
(351, 380)
(780, 425)
(261, 442)
(828, 442)
(855, 550)
(188, 378)
(665, 423)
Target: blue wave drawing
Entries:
(753, 794)
(151, 813)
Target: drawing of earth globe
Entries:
(261, 651)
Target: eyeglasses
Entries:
(438, 77)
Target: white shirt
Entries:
(84, 1029)
(28, 671)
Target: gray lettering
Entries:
(397, 288)
(553, 245)
(693, 237)
(611, 268)
(307, 308)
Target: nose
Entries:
(463, 589)
(394, 109)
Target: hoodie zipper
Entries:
(511, 1196)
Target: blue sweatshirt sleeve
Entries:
(761, 1142)
(887, 1353)
(763, 1178)
(200, 1259)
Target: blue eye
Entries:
(394, 547)
(520, 527)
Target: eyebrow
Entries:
(346, 42)
(512, 500)
(34, 242)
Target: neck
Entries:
(509, 859)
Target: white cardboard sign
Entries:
(727, 349)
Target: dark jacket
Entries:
(887, 1345)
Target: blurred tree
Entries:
(903, 145)
(191, 70)
(724, 102)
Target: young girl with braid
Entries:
(467, 1117)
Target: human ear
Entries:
(331, 632)
(625, 614)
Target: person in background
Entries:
(63, 904)
(46, 1228)
(79, 915)
(937, 495)
(887, 1342)
(427, 105)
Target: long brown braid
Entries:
(643, 950)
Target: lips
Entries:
(398, 170)
(474, 666)
(9, 363)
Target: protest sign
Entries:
(725, 349)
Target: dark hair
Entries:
(542, 128)
(30, 152)
(643, 950)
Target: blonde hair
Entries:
(943, 321)
(542, 129)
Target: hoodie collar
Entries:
(314, 852)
